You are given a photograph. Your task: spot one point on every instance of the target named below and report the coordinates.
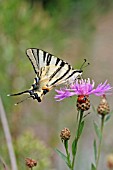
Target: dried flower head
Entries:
(65, 134)
(30, 162)
(110, 161)
(103, 107)
(83, 87)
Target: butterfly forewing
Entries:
(32, 55)
(40, 58)
(58, 74)
(47, 65)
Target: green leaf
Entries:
(74, 146)
(62, 155)
(79, 132)
(80, 129)
(98, 131)
(107, 117)
(95, 150)
(93, 167)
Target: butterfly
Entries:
(50, 72)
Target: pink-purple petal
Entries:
(101, 89)
(84, 87)
(63, 93)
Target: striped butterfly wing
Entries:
(47, 66)
(50, 72)
(59, 74)
(40, 58)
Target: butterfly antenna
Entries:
(16, 94)
(22, 100)
(83, 65)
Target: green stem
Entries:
(67, 152)
(100, 142)
(77, 137)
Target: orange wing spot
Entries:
(46, 88)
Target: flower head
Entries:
(103, 108)
(30, 162)
(65, 134)
(83, 87)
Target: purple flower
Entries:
(83, 87)
(63, 93)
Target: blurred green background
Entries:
(72, 30)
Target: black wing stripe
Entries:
(61, 65)
(74, 71)
(57, 61)
(33, 53)
(44, 56)
(37, 56)
(32, 63)
(49, 56)
(58, 69)
(60, 78)
(40, 72)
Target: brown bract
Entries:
(65, 134)
(30, 162)
(103, 108)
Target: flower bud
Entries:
(30, 162)
(83, 102)
(103, 108)
(65, 134)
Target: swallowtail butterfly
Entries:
(50, 72)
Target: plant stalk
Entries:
(100, 142)
(77, 136)
(67, 153)
(8, 137)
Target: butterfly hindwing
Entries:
(58, 69)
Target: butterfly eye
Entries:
(45, 91)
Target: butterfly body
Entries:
(50, 72)
(39, 89)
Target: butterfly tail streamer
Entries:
(20, 93)
(22, 100)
